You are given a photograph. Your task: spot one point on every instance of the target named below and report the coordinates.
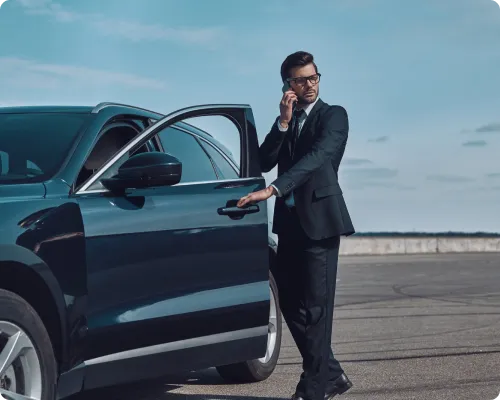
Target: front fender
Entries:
(24, 258)
(20, 255)
(52, 242)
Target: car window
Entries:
(196, 166)
(226, 171)
(110, 143)
(220, 128)
(33, 146)
(4, 165)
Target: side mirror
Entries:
(146, 170)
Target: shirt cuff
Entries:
(280, 127)
(277, 190)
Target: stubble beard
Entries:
(303, 101)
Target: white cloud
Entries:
(19, 72)
(34, 3)
(356, 161)
(441, 178)
(127, 29)
(489, 128)
(137, 32)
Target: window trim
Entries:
(165, 122)
(211, 182)
(197, 139)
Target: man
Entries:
(307, 142)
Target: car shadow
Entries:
(163, 389)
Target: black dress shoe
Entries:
(340, 385)
(298, 397)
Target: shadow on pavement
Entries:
(161, 389)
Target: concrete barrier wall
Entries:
(358, 245)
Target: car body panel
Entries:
(155, 279)
(149, 259)
(180, 279)
(136, 297)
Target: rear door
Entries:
(177, 275)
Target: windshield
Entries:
(34, 145)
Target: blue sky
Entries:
(420, 81)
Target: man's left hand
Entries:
(255, 197)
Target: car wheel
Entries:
(27, 362)
(261, 368)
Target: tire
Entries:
(259, 369)
(33, 374)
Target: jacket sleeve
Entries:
(269, 149)
(329, 146)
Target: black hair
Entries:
(297, 59)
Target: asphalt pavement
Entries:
(405, 327)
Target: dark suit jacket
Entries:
(312, 173)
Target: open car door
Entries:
(178, 276)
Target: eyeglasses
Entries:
(301, 80)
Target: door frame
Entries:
(99, 371)
(240, 114)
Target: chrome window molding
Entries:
(94, 191)
(149, 132)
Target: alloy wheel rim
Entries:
(20, 369)
(272, 330)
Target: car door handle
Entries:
(237, 211)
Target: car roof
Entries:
(46, 109)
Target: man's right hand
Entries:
(286, 107)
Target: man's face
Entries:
(307, 90)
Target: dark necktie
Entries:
(298, 116)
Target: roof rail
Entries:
(104, 105)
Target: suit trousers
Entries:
(306, 275)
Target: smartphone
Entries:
(286, 87)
